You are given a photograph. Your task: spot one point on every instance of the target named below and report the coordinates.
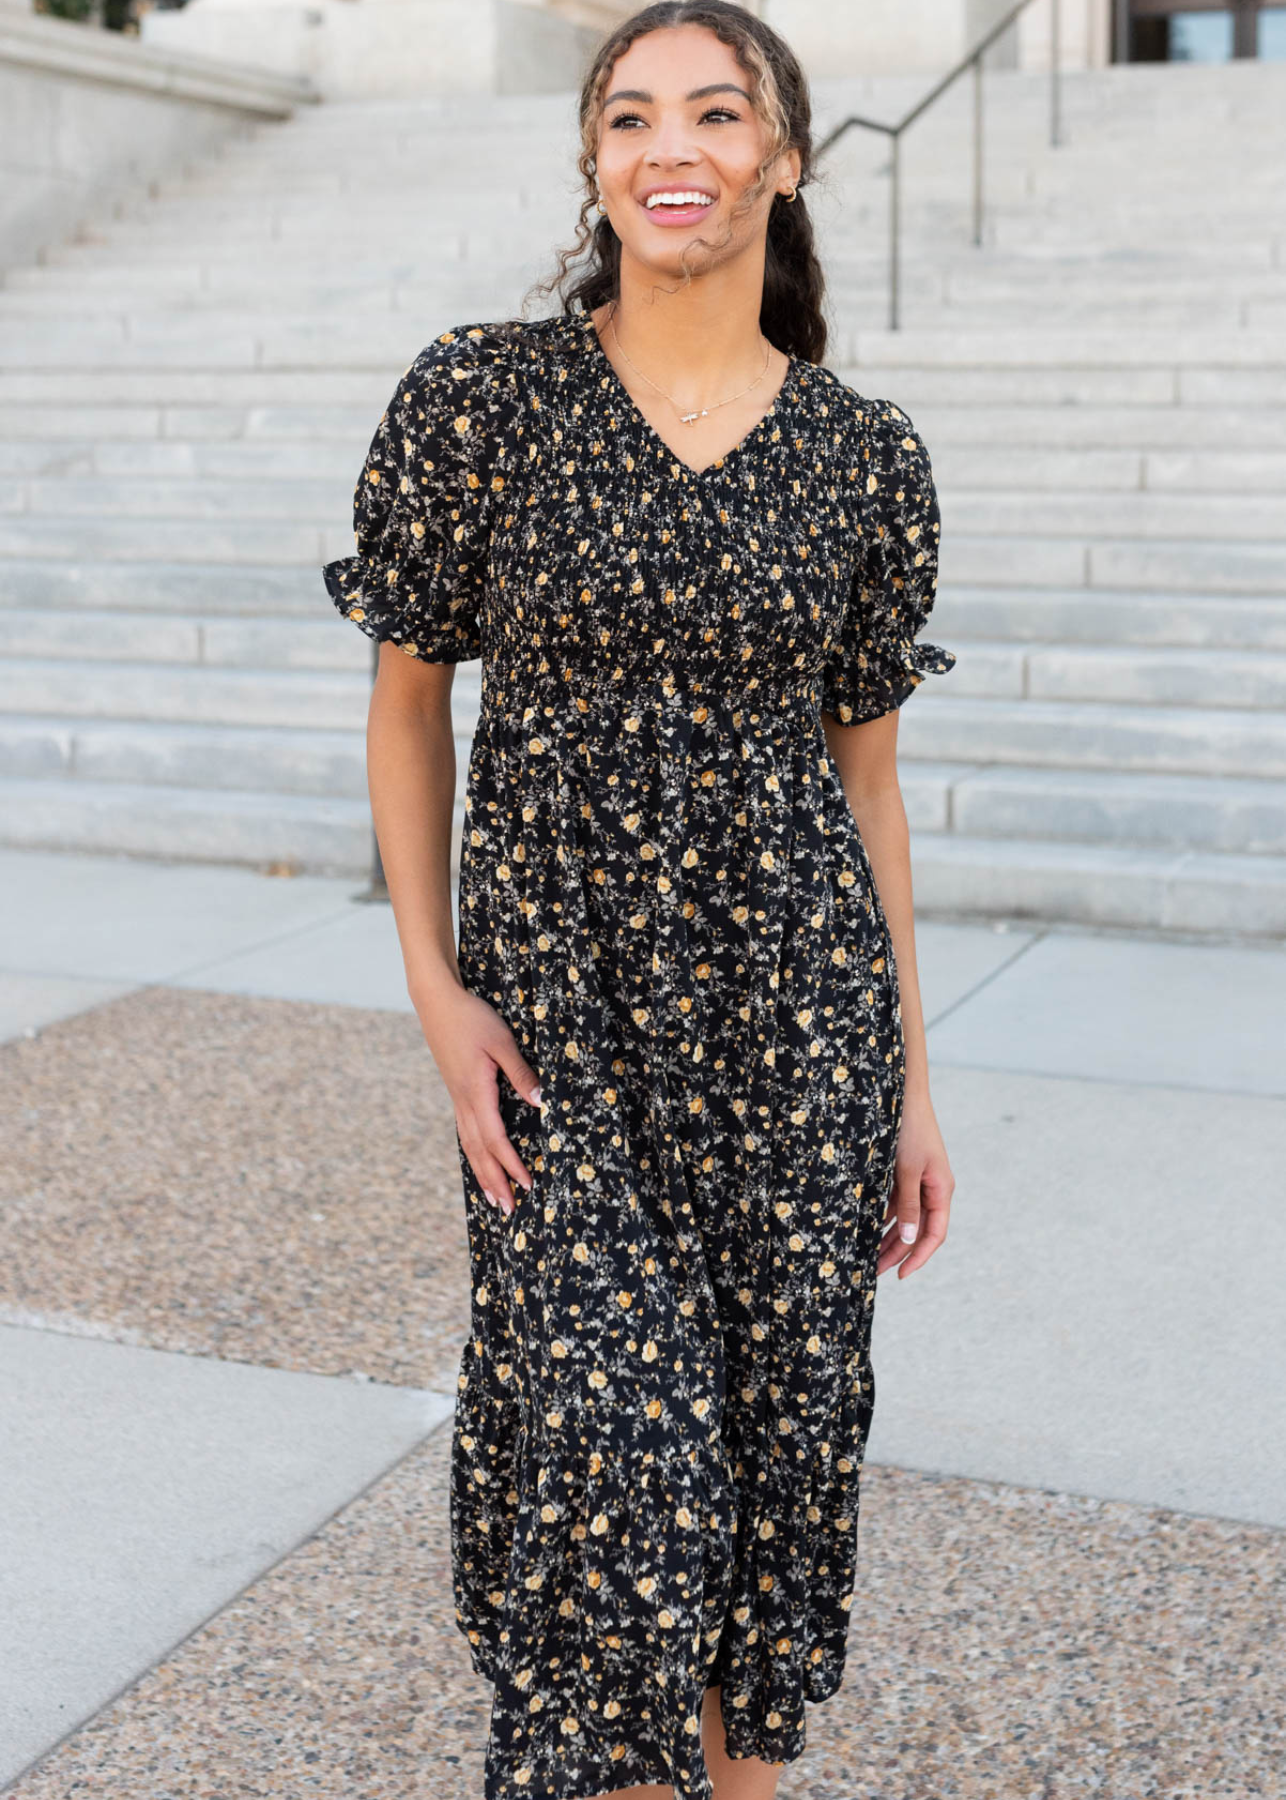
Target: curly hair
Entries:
(791, 314)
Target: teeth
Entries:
(678, 199)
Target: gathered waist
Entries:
(510, 692)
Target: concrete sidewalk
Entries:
(236, 1289)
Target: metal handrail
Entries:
(974, 61)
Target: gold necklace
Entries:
(691, 417)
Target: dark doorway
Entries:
(1196, 31)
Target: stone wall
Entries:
(389, 49)
(86, 115)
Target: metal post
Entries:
(1054, 53)
(977, 148)
(895, 248)
(378, 890)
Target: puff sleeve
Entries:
(421, 508)
(880, 660)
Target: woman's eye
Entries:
(714, 112)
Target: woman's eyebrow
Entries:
(715, 87)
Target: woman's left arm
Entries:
(865, 758)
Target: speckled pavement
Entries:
(1008, 1644)
(207, 1173)
(261, 1180)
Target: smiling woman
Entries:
(683, 1018)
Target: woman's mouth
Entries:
(677, 206)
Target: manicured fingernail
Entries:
(491, 1196)
(534, 1096)
(909, 1233)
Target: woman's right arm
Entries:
(411, 773)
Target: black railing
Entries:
(972, 61)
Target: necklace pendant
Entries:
(691, 418)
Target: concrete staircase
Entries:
(186, 396)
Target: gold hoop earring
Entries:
(791, 197)
(600, 206)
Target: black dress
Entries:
(663, 1402)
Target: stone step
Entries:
(226, 643)
(319, 835)
(1134, 887)
(233, 541)
(224, 391)
(1154, 676)
(248, 590)
(915, 386)
(1232, 252)
(1181, 740)
(173, 692)
(1047, 559)
(301, 282)
(1079, 615)
(1232, 816)
(1193, 431)
(1006, 279)
(327, 460)
(208, 341)
(184, 426)
(1168, 517)
(265, 759)
(1232, 387)
(1194, 567)
(1103, 348)
(184, 497)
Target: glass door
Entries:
(1196, 31)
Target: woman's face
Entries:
(678, 122)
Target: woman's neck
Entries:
(700, 343)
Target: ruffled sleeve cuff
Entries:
(392, 606)
(874, 682)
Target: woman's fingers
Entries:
(491, 1155)
(916, 1219)
(522, 1077)
(904, 1210)
(935, 1196)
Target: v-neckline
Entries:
(585, 320)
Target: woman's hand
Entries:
(473, 1046)
(923, 1184)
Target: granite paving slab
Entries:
(269, 1181)
(141, 1490)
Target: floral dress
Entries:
(663, 1400)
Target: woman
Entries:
(683, 1036)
